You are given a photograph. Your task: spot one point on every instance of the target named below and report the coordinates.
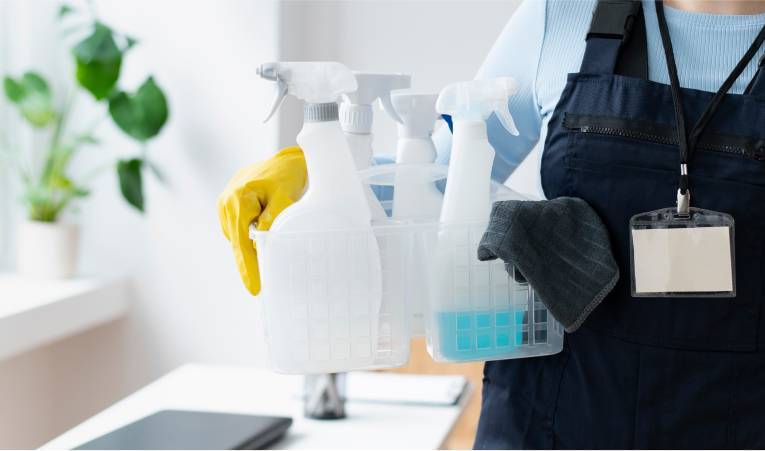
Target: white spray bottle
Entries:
(416, 195)
(468, 185)
(334, 198)
(323, 245)
(357, 116)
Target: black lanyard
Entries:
(687, 142)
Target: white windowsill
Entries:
(34, 312)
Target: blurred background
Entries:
(185, 302)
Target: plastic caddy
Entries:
(321, 315)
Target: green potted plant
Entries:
(47, 245)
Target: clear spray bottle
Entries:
(468, 185)
(462, 287)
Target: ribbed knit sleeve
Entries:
(516, 54)
(545, 40)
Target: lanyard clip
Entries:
(683, 202)
(683, 198)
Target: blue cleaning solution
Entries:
(481, 335)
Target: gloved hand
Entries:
(259, 193)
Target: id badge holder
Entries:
(682, 255)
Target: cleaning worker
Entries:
(664, 107)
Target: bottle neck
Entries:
(406, 131)
(470, 128)
(415, 150)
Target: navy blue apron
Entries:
(641, 372)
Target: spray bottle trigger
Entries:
(506, 119)
(388, 107)
(281, 93)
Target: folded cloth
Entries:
(560, 247)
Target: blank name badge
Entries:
(677, 255)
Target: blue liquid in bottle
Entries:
(480, 335)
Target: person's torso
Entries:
(612, 141)
(706, 47)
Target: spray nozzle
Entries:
(417, 112)
(356, 109)
(313, 82)
(477, 99)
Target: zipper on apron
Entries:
(663, 134)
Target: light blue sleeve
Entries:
(516, 54)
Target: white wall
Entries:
(188, 303)
(437, 42)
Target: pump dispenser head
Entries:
(314, 82)
(356, 108)
(477, 99)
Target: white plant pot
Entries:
(47, 250)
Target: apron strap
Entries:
(616, 42)
(687, 140)
(757, 85)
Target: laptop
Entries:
(181, 429)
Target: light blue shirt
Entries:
(545, 40)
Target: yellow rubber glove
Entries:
(259, 193)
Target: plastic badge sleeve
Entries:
(674, 255)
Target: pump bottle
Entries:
(416, 195)
(467, 198)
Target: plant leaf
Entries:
(32, 96)
(64, 9)
(33, 81)
(98, 61)
(13, 90)
(79, 191)
(141, 115)
(131, 182)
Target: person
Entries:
(603, 104)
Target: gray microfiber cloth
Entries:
(560, 247)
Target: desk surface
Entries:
(257, 391)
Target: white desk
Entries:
(256, 391)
